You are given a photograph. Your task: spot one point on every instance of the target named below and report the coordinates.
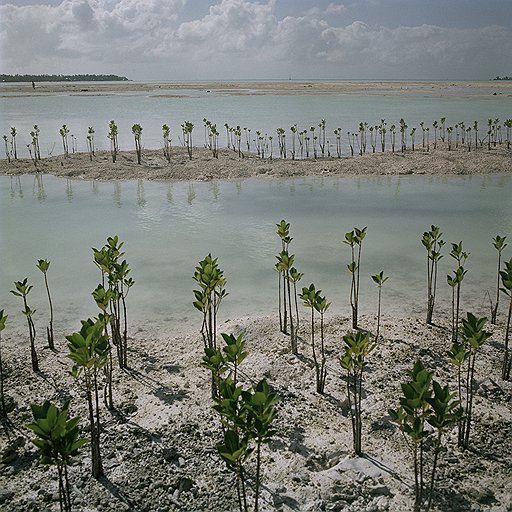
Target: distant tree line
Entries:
(62, 78)
(503, 78)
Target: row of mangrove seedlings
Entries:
(247, 409)
(313, 142)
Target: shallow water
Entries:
(260, 112)
(169, 227)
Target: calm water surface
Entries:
(169, 227)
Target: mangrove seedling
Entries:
(506, 280)
(432, 242)
(58, 439)
(473, 336)
(357, 347)
(43, 266)
(89, 349)
(3, 410)
(90, 142)
(137, 134)
(424, 401)
(22, 290)
(294, 277)
(7, 151)
(499, 244)
(187, 128)
(166, 133)
(35, 142)
(113, 133)
(64, 131)
(283, 231)
(284, 265)
(455, 283)
(354, 239)
(379, 280)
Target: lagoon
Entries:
(168, 227)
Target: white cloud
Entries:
(237, 38)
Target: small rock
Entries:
(6, 496)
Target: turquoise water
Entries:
(169, 227)
(257, 112)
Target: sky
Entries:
(264, 39)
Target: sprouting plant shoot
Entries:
(43, 266)
(187, 127)
(3, 408)
(22, 290)
(166, 134)
(425, 401)
(432, 242)
(113, 133)
(473, 336)
(354, 239)
(455, 282)
(379, 280)
(357, 347)
(58, 439)
(64, 131)
(506, 281)
(283, 231)
(499, 245)
(89, 350)
(137, 134)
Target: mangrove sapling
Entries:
(435, 125)
(166, 132)
(22, 290)
(473, 336)
(293, 130)
(428, 138)
(379, 280)
(337, 134)
(90, 142)
(357, 347)
(113, 133)
(433, 243)
(3, 407)
(321, 137)
(312, 299)
(137, 133)
(449, 130)
(14, 150)
(35, 141)
(284, 265)
(413, 135)
(443, 128)
(392, 130)
(382, 133)
(294, 277)
(455, 282)
(283, 231)
(58, 439)
(208, 298)
(508, 125)
(355, 239)
(187, 127)
(64, 131)
(43, 266)
(499, 244)
(506, 280)
(89, 350)
(403, 135)
(7, 151)
(468, 138)
(424, 401)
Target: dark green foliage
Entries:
(499, 244)
(137, 134)
(22, 290)
(425, 401)
(58, 439)
(506, 281)
(354, 239)
(433, 243)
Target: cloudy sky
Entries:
(258, 39)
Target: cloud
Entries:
(237, 38)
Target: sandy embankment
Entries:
(230, 166)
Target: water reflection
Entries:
(38, 188)
(214, 188)
(141, 196)
(169, 193)
(94, 187)
(117, 194)
(191, 195)
(69, 191)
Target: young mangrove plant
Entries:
(473, 336)
(455, 282)
(283, 231)
(7, 151)
(14, 149)
(379, 280)
(354, 239)
(58, 439)
(64, 131)
(425, 401)
(35, 142)
(187, 127)
(166, 134)
(89, 350)
(90, 142)
(43, 266)
(212, 282)
(312, 299)
(357, 347)
(506, 280)
(113, 133)
(284, 265)
(499, 244)
(22, 290)
(433, 243)
(294, 277)
(137, 134)
(3, 407)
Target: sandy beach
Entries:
(435, 88)
(229, 165)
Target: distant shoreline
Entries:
(61, 78)
(285, 87)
